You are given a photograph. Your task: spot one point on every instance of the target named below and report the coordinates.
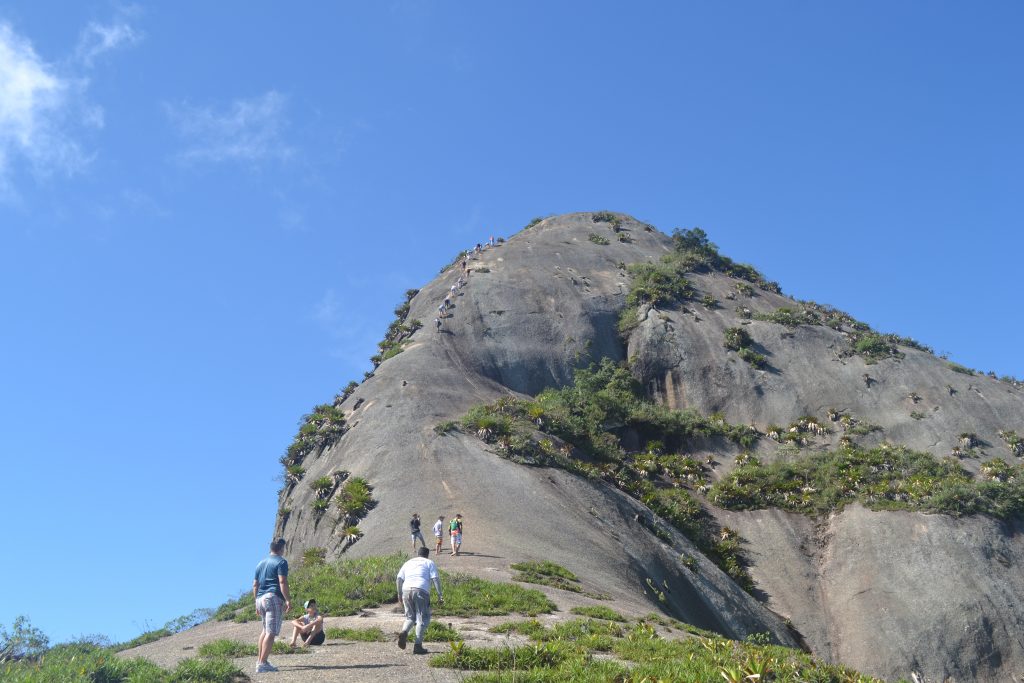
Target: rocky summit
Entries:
(850, 492)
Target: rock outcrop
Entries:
(888, 593)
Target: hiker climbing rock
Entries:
(413, 583)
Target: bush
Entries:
(737, 338)
(657, 284)
(874, 347)
(597, 239)
(445, 427)
(355, 498)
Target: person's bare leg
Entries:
(268, 646)
(262, 657)
(296, 630)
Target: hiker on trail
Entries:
(414, 529)
(447, 303)
(309, 627)
(270, 591)
(437, 324)
(455, 530)
(465, 264)
(413, 582)
(440, 310)
(490, 242)
(439, 533)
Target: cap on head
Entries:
(309, 602)
(277, 546)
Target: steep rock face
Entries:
(548, 301)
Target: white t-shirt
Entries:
(418, 573)
(438, 529)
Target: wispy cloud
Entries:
(43, 108)
(33, 104)
(97, 38)
(247, 130)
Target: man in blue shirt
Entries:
(270, 590)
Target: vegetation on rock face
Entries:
(604, 403)
(398, 332)
(738, 339)
(884, 478)
(663, 283)
(566, 652)
(318, 430)
(694, 252)
(547, 574)
(598, 239)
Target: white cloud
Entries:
(248, 130)
(97, 38)
(33, 106)
(43, 107)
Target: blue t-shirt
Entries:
(266, 575)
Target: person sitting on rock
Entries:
(309, 627)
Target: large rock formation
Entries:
(888, 593)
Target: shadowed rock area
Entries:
(888, 593)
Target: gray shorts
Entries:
(416, 602)
(271, 610)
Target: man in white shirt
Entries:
(413, 582)
(438, 533)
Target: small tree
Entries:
(24, 641)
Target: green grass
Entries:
(370, 634)
(547, 574)
(597, 239)
(230, 649)
(598, 612)
(346, 587)
(85, 663)
(143, 639)
(466, 596)
(565, 653)
(530, 628)
(441, 633)
(962, 369)
(884, 478)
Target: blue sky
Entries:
(209, 210)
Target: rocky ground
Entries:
(354, 661)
